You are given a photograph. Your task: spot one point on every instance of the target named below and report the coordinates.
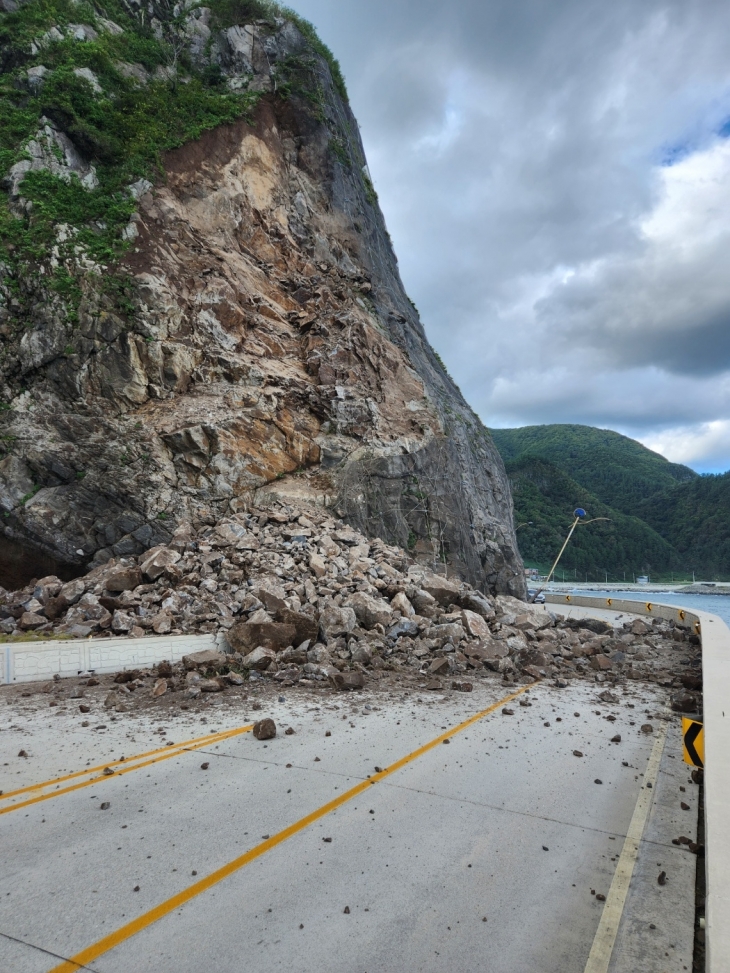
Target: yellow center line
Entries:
(114, 939)
(169, 752)
(112, 763)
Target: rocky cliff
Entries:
(200, 305)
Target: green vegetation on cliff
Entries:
(665, 519)
(124, 89)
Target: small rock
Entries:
(506, 711)
(662, 879)
(600, 897)
(205, 765)
(684, 805)
(107, 772)
(328, 840)
(647, 728)
(159, 688)
(23, 753)
(577, 753)
(545, 848)
(290, 731)
(616, 738)
(461, 686)
(597, 781)
(256, 704)
(105, 805)
(264, 729)
(83, 708)
(346, 910)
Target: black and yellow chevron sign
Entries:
(693, 742)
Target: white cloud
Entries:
(562, 271)
(705, 446)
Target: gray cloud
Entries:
(562, 270)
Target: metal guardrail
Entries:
(715, 638)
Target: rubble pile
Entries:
(298, 596)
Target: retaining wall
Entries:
(30, 661)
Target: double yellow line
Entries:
(91, 953)
(96, 775)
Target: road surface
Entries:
(480, 854)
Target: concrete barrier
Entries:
(715, 637)
(31, 661)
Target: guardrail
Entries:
(715, 638)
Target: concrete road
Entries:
(480, 854)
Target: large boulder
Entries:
(155, 562)
(444, 590)
(204, 659)
(245, 636)
(306, 627)
(475, 625)
(123, 579)
(335, 621)
(260, 659)
(370, 611)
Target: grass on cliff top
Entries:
(123, 131)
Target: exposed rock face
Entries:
(269, 346)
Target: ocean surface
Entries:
(715, 604)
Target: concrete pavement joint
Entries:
(131, 929)
(41, 949)
(524, 814)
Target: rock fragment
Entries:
(264, 729)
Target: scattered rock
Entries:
(159, 688)
(507, 711)
(684, 805)
(647, 728)
(461, 686)
(204, 766)
(662, 879)
(577, 753)
(264, 729)
(105, 805)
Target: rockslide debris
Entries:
(294, 594)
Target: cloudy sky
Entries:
(555, 175)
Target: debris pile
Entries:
(296, 595)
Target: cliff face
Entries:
(254, 337)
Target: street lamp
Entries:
(579, 513)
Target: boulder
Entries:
(155, 562)
(405, 627)
(123, 579)
(475, 625)
(162, 624)
(335, 621)
(438, 667)
(444, 590)
(424, 603)
(317, 565)
(347, 680)
(205, 659)
(30, 621)
(264, 729)
(261, 658)
(370, 611)
(245, 636)
(401, 603)
(475, 601)
(601, 663)
(305, 626)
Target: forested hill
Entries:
(664, 518)
(618, 470)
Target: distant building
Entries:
(532, 573)
(642, 579)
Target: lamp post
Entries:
(579, 513)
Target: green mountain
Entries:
(615, 468)
(622, 545)
(665, 519)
